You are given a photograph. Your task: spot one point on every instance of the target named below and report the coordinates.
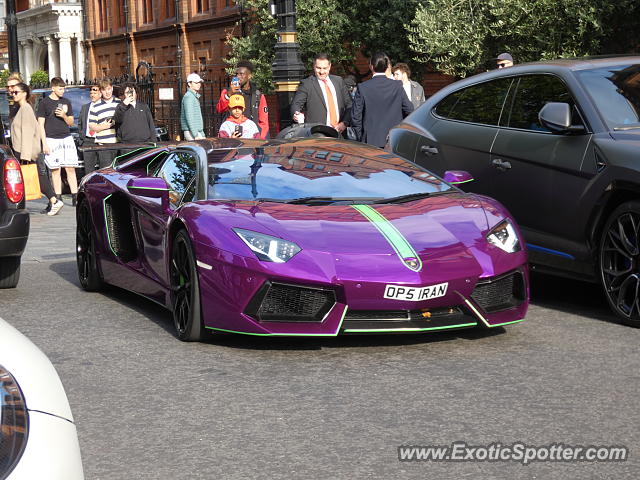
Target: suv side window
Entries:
(480, 103)
(534, 92)
(178, 171)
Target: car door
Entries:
(537, 174)
(463, 130)
(179, 171)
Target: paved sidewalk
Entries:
(51, 238)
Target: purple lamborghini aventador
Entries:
(303, 237)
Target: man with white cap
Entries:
(190, 113)
(504, 60)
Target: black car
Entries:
(558, 143)
(14, 218)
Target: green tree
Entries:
(39, 79)
(4, 74)
(336, 27)
(459, 37)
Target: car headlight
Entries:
(14, 422)
(504, 237)
(266, 247)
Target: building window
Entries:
(103, 15)
(147, 11)
(169, 8)
(119, 13)
(202, 6)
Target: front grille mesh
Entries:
(293, 303)
(500, 294)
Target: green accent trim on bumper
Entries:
(409, 329)
(400, 244)
(507, 323)
(286, 334)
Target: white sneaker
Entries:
(55, 208)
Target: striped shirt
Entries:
(101, 112)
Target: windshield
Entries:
(77, 97)
(321, 175)
(616, 93)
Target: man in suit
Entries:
(414, 90)
(86, 136)
(322, 98)
(380, 103)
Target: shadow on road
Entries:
(547, 291)
(570, 296)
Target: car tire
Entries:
(619, 262)
(185, 290)
(9, 272)
(88, 272)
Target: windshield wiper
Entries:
(407, 198)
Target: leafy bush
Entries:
(39, 79)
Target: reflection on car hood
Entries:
(446, 230)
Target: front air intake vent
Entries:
(500, 293)
(277, 302)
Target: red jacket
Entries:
(256, 108)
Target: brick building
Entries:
(168, 34)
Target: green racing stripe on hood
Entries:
(399, 243)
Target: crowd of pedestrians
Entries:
(364, 112)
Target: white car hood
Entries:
(36, 376)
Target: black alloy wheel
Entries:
(619, 262)
(185, 290)
(88, 273)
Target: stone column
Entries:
(28, 60)
(80, 73)
(54, 66)
(21, 48)
(66, 58)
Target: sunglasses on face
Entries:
(95, 89)
(13, 94)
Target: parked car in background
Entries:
(38, 436)
(14, 218)
(558, 143)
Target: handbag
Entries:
(31, 181)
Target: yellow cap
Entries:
(236, 101)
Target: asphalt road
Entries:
(148, 406)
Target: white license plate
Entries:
(415, 294)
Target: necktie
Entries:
(333, 115)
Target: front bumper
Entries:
(290, 308)
(14, 231)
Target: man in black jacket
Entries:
(379, 104)
(322, 98)
(86, 136)
(133, 119)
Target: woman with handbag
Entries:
(27, 144)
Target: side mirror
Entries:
(456, 177)
(556, 116)
(150, 187)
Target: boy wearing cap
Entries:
(504, 60)
(237, 125)
(190, 113)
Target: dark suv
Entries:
(559, 144)
(14, 218)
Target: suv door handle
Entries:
(500, 164)
(429, 150)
